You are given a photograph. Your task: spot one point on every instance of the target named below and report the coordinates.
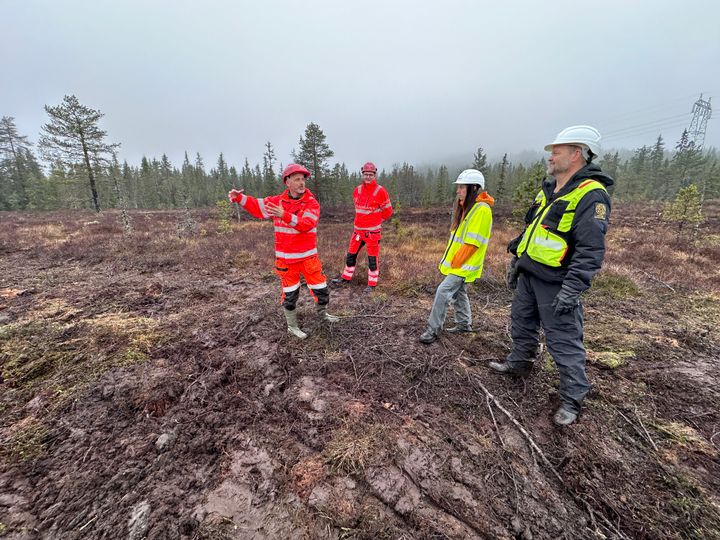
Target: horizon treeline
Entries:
(82, 172)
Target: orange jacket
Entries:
(296, 230)
(372, 206)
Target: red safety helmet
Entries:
(294, 168)
(369, 167)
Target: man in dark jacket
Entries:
(554, 261)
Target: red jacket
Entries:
(295, 232)
(372, 206)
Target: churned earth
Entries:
(148, 389)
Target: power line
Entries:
(657, 130)
(645, 110)
(661, 105)
(652, 122)
(697, 120)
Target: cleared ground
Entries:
(148, 390)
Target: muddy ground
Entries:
(149, 390)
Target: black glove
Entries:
(511, 277)
(565, 301)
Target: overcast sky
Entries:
(388, 81)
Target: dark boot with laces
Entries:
(507, 369)
(428, 336)
(460, 329)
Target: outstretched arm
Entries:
(255, 207)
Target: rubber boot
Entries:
(292, 322)
(325, 316)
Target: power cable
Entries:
(649, 124)
(658, 130)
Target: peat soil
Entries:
(148, 389)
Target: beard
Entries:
(555, 168)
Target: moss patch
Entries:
(609, 359)
(614, 286)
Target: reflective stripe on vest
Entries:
(289, 230)
(283, 255)
(546, 237)
(471, 269)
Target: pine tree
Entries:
(148, 191)
(480, 160)
(246, 179)
(687, 161)
(73, 137)
(442, 185)
(686, 209)
(610, 164)
(169, 190)
(528, 189)
(314, 154)
(501, 185)
(269, 178)
(40, 196)
(13, 146)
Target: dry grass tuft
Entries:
(306, 473)
(52, 348)
(355, 447)
(23, 441)
(685, 436)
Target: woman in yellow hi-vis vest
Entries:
(464, 255)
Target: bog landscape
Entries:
(149, 389)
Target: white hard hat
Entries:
(585, 136)
(471, 176)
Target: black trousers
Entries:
(532, 307)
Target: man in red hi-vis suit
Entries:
(295, 214)
(372, 207)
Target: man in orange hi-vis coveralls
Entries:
(372, 207)
(295, 214)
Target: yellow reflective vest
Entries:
(545, 239)
(474, 229)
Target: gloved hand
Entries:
(565, 301)
(235, 195)
(511, 277)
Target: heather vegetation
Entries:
(148, 388)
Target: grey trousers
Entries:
(531, 307)
(450, 291)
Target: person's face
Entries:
(461, 193)
(368, 176)
(296, 184)
(561, 158)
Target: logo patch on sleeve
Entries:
(600, 211)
